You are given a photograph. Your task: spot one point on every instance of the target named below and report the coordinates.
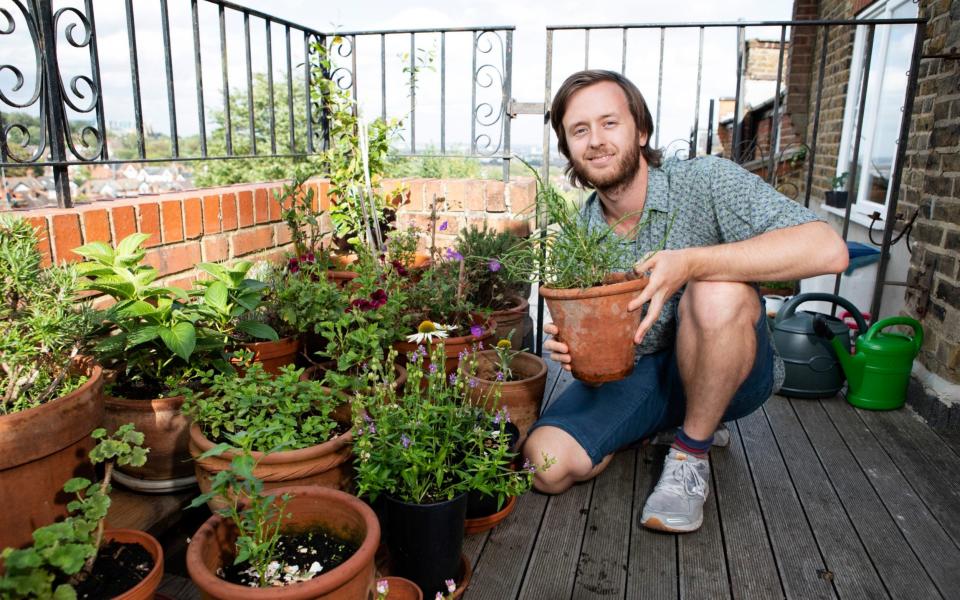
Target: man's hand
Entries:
(669, 271)
(558, 350)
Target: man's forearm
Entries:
(790, 253)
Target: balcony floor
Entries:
(812, 499)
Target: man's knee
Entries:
(719, 305)
(570, 464)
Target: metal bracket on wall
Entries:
(527, 108)
(923, 284)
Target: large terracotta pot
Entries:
(165, 431)
(309, 508)
(516, 319)
(328, 464)
(452, 347)
(596, 327)
(521, 398)
(273, 355)
(148, 585)
(40, 449)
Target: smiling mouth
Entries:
(599, 158)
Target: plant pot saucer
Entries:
(464, 572)
(154, 486)
(481, 524)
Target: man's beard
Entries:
(626, 169)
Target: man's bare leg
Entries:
(572, 465)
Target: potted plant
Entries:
(588, 282)
(154, 344)
(308, 420)
(300, 542)
(77, 557)
(837, 197)
(421, 451)
(397, 588)
(512, 381)
(50, 399)
(490, 286)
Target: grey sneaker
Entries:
(721, 437)
(676, 504)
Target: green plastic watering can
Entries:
(879, 371)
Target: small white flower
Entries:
(428, 330)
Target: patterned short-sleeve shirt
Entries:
(711, 201)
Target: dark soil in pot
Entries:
(119, 567)
(311, 553)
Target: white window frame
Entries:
(882, 9)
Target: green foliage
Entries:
(257, 517)
(42, 326)
(302, 220)
(279, 412)
(306, 298)
(433, 167)
(839, 182)
(427, 444)
(67, 550)
(488, 285)
(228, 303)
(150, 335)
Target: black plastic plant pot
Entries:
(425, 541)
(836, 199)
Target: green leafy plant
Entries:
(229, 303)
(257, 517)
(281, 411)
(63, 554)
(426, 444)
(839, 182)
(305, 298)
(42, 326)
(488, 284)
(505, 356)
(303, 220)
(151, 335)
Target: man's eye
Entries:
(610, 124)
(579, 131)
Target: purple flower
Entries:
(529, 467)
(372, 429)
(452, 378)
(405, 441)
(493, 265)
(360, 431)
(451, 585)
(499, 375)
(476, 330)
(454, 255)
(433, 368)
(473, 382)
(443, 226)
(501, 415)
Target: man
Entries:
(704, 351)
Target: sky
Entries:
(530, 18)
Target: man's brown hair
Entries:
(638, 108)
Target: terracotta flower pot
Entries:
(40, 449)
(147, 587)
(452, 346)
(595, 325)
(328, 464)
(516, 319)
(339, 513)
(401, 589)
(342, 278)
(481, 524)
(273, 355)
(522, 398)
(165, 431)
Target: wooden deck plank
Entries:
(798, 557)
(923, 460)
(178, 588)
(473, 546)
(750, 561)
(153, 513)
(502, 563)
(901, 572)
(937, 553)
(652, 564)
(702, 564)
(843, 552)
(602, 568)
(553, 562)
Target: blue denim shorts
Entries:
(651, 399)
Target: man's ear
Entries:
(642, 138)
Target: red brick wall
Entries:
(243, 221)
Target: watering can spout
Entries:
(853, 364)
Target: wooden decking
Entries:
(812, 499)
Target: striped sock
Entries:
(685, 443)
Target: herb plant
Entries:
(488, 284)
(63, 554)
(42, 327)
(229, 303)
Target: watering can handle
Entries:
(791, 307)
(890, 322)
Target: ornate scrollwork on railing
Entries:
(342, 47)
(6, 96)
(75, 99)
(489, 113)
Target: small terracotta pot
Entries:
(148, 585)
(596, 327)
(309, 508)
(273, 355)
(165, 431)
(328, 464)
(401, 589)
(451, 346)
(40, 449)
(342, 278)
(482, 524)
(516, 319)
(522, 398)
